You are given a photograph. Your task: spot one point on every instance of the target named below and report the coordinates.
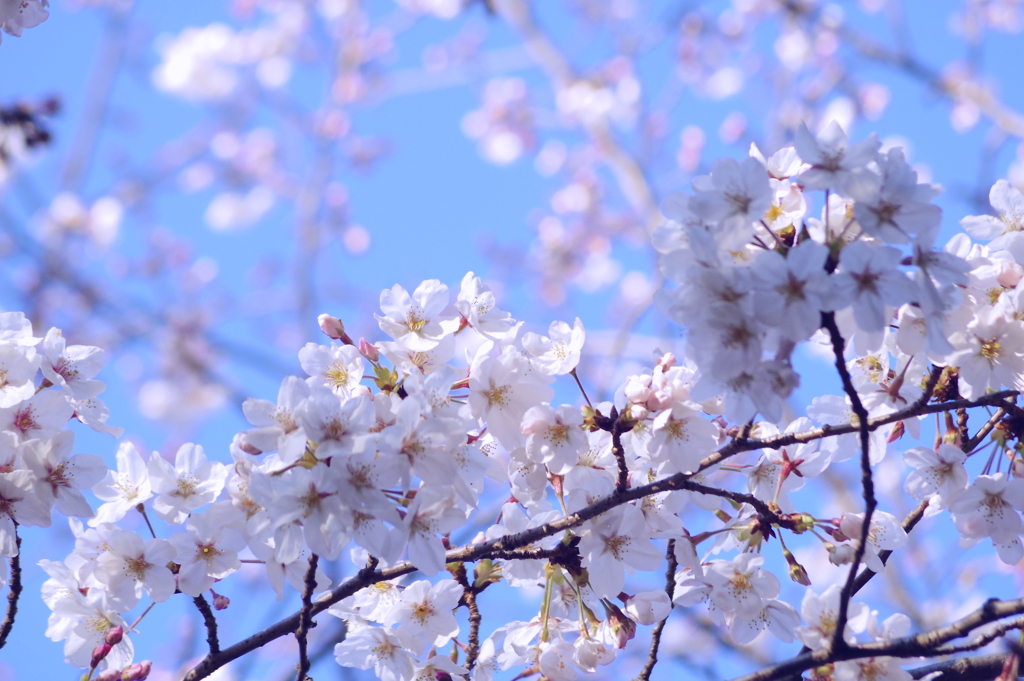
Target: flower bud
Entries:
(369, 350)
(331, 326)
(98, 653)
(896, 432)
(649, 607)
(621, 626)
(114, 635)
(108, 675)
(841, 554)
(798, 574)
(137, 672)
(220, 602)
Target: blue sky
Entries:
(429, 206)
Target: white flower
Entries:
(892, 205)
(821, 612)
(208, 550)
(1009, 204)
(613, 541)
(123, 490)
(554, 437)
(18, 366)
(936, 472)
(71, 368)
(424, 615)
(131, 566)
(42, 416)
(501, 390)
(649, 607)
(989, 508)
(336, 424)
(19, 503)
(417, 322)
(339, 367)
(477, 306)
(555, 661)
(738, 196)
(62, 474)
(682, 437)
(432, 512)
(15, 17)
(559, 352)
(871, 669)
(793, 290)
(277, 425)
(95, 614)
(988, 354)
(870, 279)
(884, 534)
(193, 482)
(378, 647)
(831, 157)
(740, 585)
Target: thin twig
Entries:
(211, 623)
(670, 589)
(15, 590)
(306, 618)
(510, 543)
(828, 320)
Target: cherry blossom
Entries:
(557, 353)
(192, 483)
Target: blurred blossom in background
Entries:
(188, 185)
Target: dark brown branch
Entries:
(828, 321)
(984, 640)
(211, 623)
(670, 589)
(510, 543)
(980, 668)
(469, 593)
(922, 645)
(14, 591)
(306, 618)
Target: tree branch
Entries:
(670, 589)
(828, 320)
(306, 618)
(210, 621)
(927, 644)
(510, 544)
(14, 591)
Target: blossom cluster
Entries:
(385, 448)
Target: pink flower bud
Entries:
(220, 602)
(114, 635)
(369, 350)
(98, 653)
(621, 626)
(332, 326)
(137, 672)
(108, 675)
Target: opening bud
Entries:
(334, 328)
(114, 635)
(369, 350)
(220, 602)
(99, 653)
(108, 675)
(137, 672)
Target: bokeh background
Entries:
(219, 173)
